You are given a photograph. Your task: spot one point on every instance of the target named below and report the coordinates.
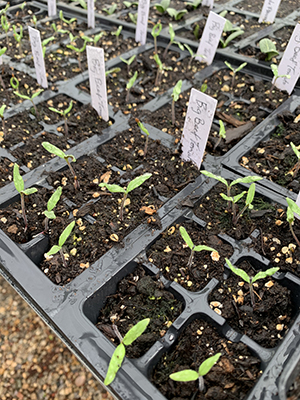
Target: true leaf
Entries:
(115, 364)
(135, 331)
(207, 365)
(136, 182)
(65, 234)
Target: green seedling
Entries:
(24, 97)
(79, 51)
(160, 70)
(111, 9)
(19, 185)
(61, 241)
(2, 51)
(135, 183)
(188, 375)
(203, 88)
(67, 157)
(22, 6)
(155, 33)
(66, 21)
(133, 17)
(290, 217)
(45, 42)
(95, 39)
(145, 130)
(194, 4)
(119, 354)
(295, 169)
(5, 26)
(18, 37)
(196, 32)
(64, 114)
(186, 237)
(56, 30)
(3, 107)
(112, 71)
(34, 21)
(276, 76)
(129, 85)
(172, 37)
(14, 83)
(175, 97)
(234, 70)
(129, 4)
(235, 199)
(192, 54)
(117, 34)
(176, 14)
(82, 4)
(128, 62)
(222, 134)
(246, 179)
(162, 6)
(49, 213)
(230, 31)
(268, 48)
(4, 10)
(249, 279)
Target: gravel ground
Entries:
(34, 363)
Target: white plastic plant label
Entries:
(290, 63)
(37, 52)
(269, 11)
(208, 3)
(210, 38)
(1, 60)
(198, 120)
(298, 204)
(142, 21)
(51, 8)
(96, 67)
(91, 13)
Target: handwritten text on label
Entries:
(51, 8)
(142, 21)
(37, 52)
(269, 11)
(91, 14)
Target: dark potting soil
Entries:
(275, 241)
(171, 255)
(230, 379)
(139, 296)
(285, 8)
(274, 158)
(6, 171)
(267, 321)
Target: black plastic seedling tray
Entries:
(72, 310)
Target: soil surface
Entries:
(285, 8)
(231, 378)
(139, 296)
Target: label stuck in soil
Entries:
(210, 38)
(269, 11)
(142, 21)
(290, 63)
(199, 117)
(91, 14)
(208, 3)
(96, 66)
(51, 8)
(37, 52)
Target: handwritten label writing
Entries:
(96, 66)
(290, 63)
(208, 3)
(269, 11)
(91, 13)
(37, 52)
(51, 8)
(210, 38)
(198, 120)
(142, 21)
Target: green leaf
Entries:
(158, 61)
(49, 214)
(207, 365)
(223, 13)
(289, 215)
(186, 375)
(115, 364)
(222, 130)
(48, 40)
(217, 177)
(23, 96)
(227, 198)
(36, 94)
(186, 237)
(232, 36)
(177, 15)
(241, 67)
(113, 188)
(239, 272)
(54, 150)
(142, 127)
(56, 111)
(247, 179)
(162, 6)
(156, 30)
(293, 206)
(203, 88)
(229, 65)
(133, 17)
(202, 247)
(189, 50)
(135, 331)
(54, 199)
(269, 48)
(3, 107)
(118, 31)
(66, 233)
(111, 9)
(132, 80)
(54, 249)
(177, 90)
(136, 182)
(29, 191)
(238, 197)
(2, 51)
(14, 83)
(264, 274)
(250, 194)
(296, 151)
(172, 33)
(274, 69)
(113, 70)
(18, 180)
(69, 108)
